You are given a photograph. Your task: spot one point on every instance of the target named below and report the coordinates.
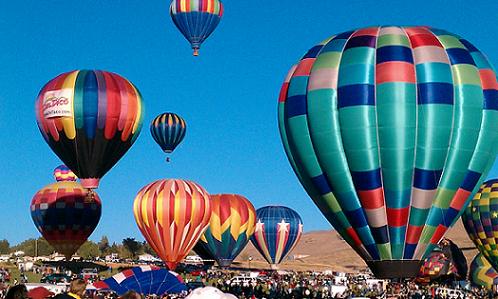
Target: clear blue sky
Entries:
(228, 95)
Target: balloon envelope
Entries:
(62, 173)
(172, 215)
(64, 216)
(482, 272)
(481, 220)
(168, 130)
(390, 130)
(196, 19)
(232, 224)
(446, 261)
(278, 230)
(146, 280)
(90, 119)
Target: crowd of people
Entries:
(276, 285)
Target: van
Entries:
(193, 260)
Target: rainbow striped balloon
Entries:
(232, 224)
(482, 273)
(196, 19)
(172, 215)
(62, 173)
(390, 130)
(90, 119)
(64, 216)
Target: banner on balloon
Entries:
(58, 103)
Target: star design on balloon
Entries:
(260, 226)
(283, 226)
(494, 215)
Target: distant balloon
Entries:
(445, 262)
(232, 224)
(62, 173)
(196, 19)
(390, 129)
(278, 230)
(480, 220)
(64, 217)
(172, 215)
(482, 273)
(168, 130)
(90, 119)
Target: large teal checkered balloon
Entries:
(390, 130)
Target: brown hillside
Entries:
(326, 250)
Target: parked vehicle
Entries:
(193, 260)
(56, 278)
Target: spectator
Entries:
(17, 292)
(131, 295)
(76, 290)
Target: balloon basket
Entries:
(90, 196)
(391, 269)
(90, 183)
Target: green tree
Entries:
(114, 248)
(133, 246)
(4, 246)
(104, 245)
(29, 246)
(88, 250)
(147, 249)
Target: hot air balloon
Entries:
(278, 230)
(147, 280)
(390, 130)
(90, 119)
(64, 217)
(168, 130)
(480, 220)
(445, 262)
(232, 224)
(196, 19)
(172, 215)
(63, 173)
(482, 273)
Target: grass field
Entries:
(16, 274)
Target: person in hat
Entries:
(40, 293)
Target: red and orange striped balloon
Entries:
(172, 215)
